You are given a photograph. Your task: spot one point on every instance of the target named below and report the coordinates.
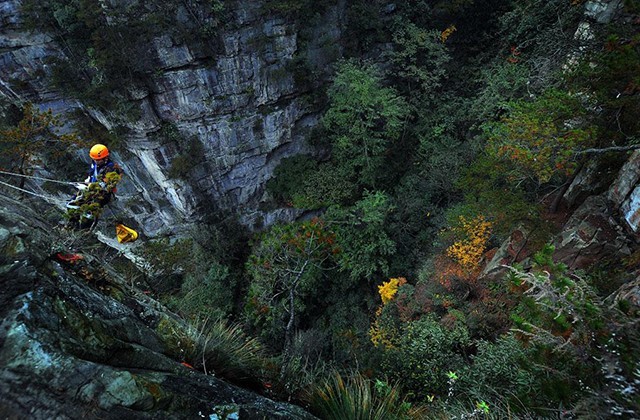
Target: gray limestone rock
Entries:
(236, 97)
(77, 341)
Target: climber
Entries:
(98, 188)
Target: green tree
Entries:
(420, 58)
(360, 233)
(37, 132)
(363, 121)
(541, 137)
(285, 267)
(425, 352)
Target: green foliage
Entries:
(544, 28)
(441, 152)
(296, 376)
(419, 57)
(91, 201)
(36, 135)
(360, 234)
(302, 182)
(502, 83)
(610, 75)
(425, 352)
(414, 222)
(487, 191)
(567, 309)
(356, 397)
(540, 138)
(224, 350)
(363, 120)
(209, 296)
(330, 184)
(288, 175)
(500, 370)
(286, 266)
(365, 26)
(165, 257)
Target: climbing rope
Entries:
(38, 178)
(45, 197)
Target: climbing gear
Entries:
(98, 151)
(69, 258)
(86, 219)
(38, 178)
(45, 197)
(125, 234)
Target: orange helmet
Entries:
(99, 151)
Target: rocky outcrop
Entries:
(238, 100)
(78, 341)
(624, 193)
(591, 235)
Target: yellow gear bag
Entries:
(125, 234)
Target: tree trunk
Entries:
(289, 329)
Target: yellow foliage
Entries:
(447, 33)
(380, 335)
(469, 250)
(389, 289)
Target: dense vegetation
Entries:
(459, 126)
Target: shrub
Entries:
(500, 371)
(225, 350)
(209, 296)
(364, 246)
(21, 146)
(356, 397)
(289, 178)
(540, 138)
(425, 351)
(296, 376)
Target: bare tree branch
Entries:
(608, 149)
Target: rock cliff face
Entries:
(601, 205)
(78, 341)
(239, 102)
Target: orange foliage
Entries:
(444, 35)
(448, 270)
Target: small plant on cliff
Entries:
(225, 350)
(38, 132)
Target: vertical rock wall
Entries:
(241, 103)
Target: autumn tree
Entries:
(285, 266)
(541, 138)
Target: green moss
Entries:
(175, 337)
(96, 340)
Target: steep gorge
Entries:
(81, 337)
